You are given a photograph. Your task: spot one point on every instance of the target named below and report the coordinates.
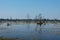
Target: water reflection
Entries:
(28, 26)
(38, 28)
(8, 24)
(31, 31)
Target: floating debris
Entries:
(8, 24)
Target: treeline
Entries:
(29, 20)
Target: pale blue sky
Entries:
(20, 8)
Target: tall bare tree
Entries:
(28, 16)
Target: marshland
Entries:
(27, 30)
(29, 19)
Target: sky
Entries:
(49, 9)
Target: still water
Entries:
(30, 31)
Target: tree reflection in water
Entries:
(28, 26)
(38, 28)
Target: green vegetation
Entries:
(1, 38)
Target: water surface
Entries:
(30, 31)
